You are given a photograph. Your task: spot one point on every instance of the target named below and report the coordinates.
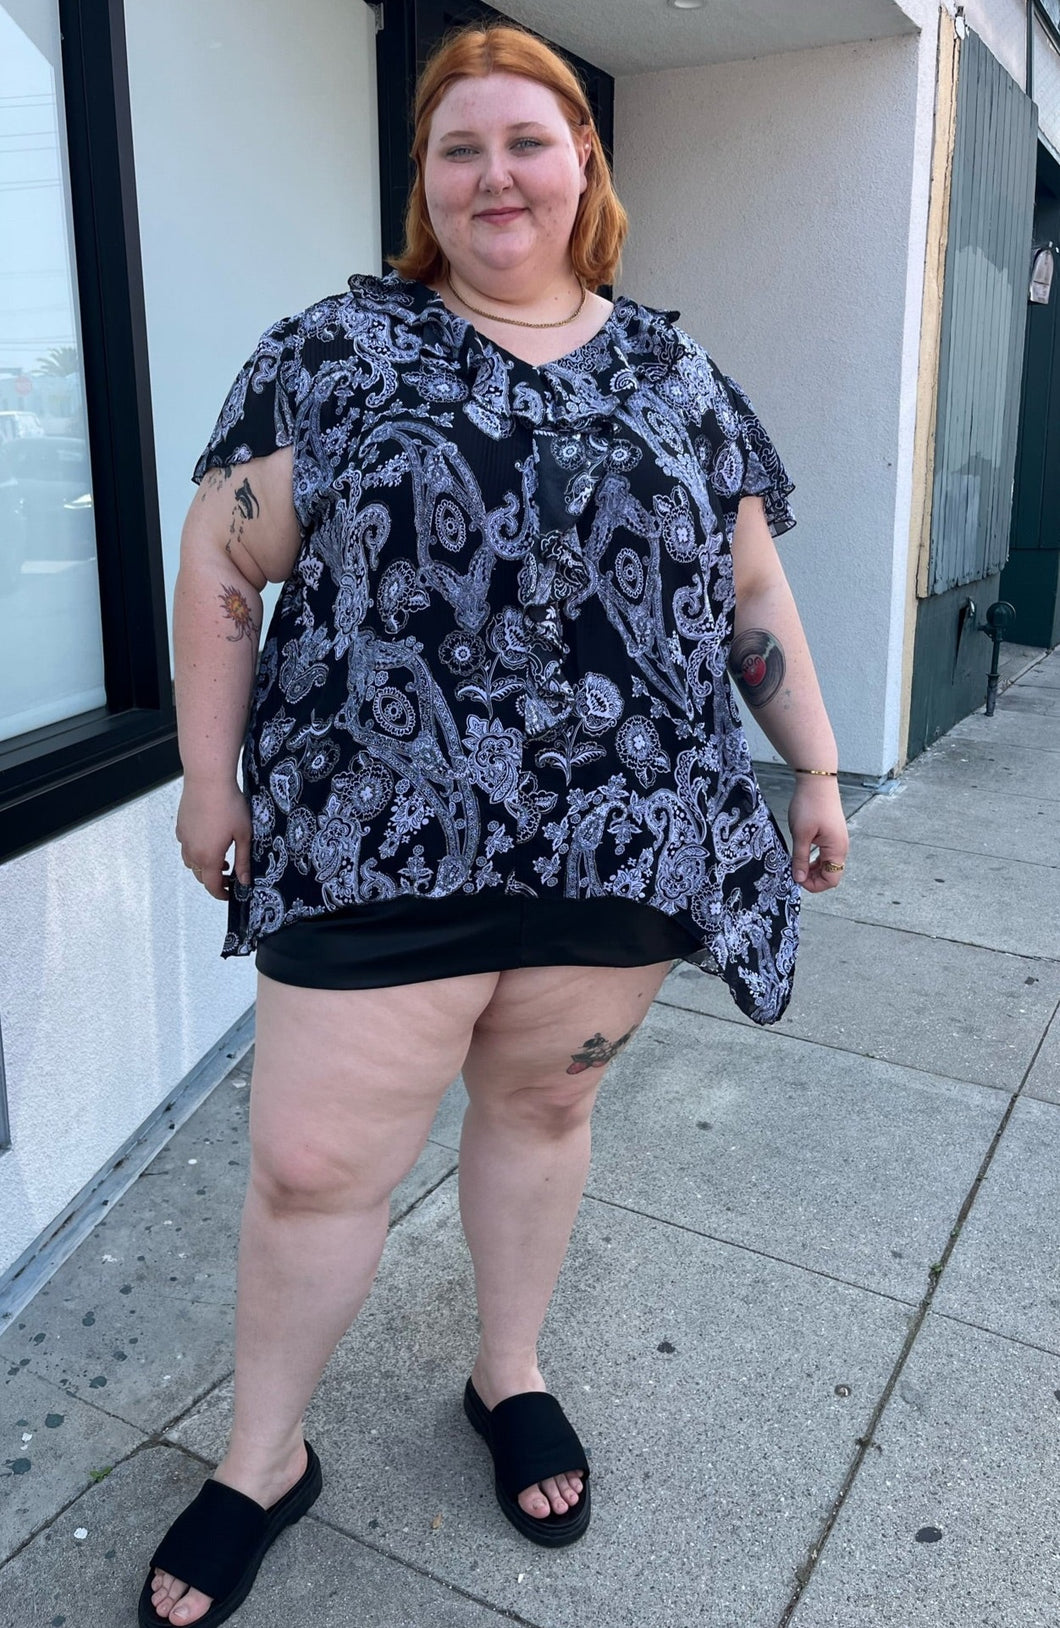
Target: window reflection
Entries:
(1047, 83)
(51, 656)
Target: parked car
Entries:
(18, 426)
(45, 503)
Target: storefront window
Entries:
(51, 648)
(1047, 77)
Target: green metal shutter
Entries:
(984, 317)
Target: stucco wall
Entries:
(780, 204)
(256, 159)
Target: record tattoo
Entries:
(756, 662)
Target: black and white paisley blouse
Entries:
(500, 658)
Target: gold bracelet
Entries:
(831, 774)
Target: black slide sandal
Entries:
(530, 1438)
(219, 1542)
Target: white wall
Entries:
(254, 127)
(1002, 25)
(111, 990)
(256, 161)
(780, 204)
(925, 13)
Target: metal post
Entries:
(999, 618)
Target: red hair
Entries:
(473, 52)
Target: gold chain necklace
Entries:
(517, 322)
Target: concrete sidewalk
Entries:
(810, 1321)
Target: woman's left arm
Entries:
(771, 667)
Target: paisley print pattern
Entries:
(500, 659)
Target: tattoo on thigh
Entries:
(596, 1052)
(756, 662)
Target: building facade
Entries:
(809, 187)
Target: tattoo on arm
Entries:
(756, 662)
(235, 607)
(249, 507)
(213, 480)
(246, 507)
(596, 1052)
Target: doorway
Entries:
(1031, 579)
(410, 31)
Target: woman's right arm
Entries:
(241, 532)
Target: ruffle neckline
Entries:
(576, 392)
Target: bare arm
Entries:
(771, 666)
(241, 532)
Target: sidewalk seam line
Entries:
(804, 1573)
(423, 1571)
(997, 1334)
(318, 1520)
(426, 1194)
(46, 1525)
(830, 1045)
(943, 938)
(751, 1249)
(947, 848)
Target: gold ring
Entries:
(831, 867)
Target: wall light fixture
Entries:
(1042, 274)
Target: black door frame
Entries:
(1031, 578)
(408, 32)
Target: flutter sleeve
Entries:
(764, 474)
(259, 413)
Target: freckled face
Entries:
(503, 174)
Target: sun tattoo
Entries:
(235, 607)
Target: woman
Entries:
(496, 779)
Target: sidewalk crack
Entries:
(865, 1442)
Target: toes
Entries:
(165, 1592)
(557, 1501)
(192, 1606)
(555, 1495)
(177, 1603)
(533, 1502)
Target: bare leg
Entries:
(524, 1156)
(346, 1083)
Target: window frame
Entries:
(54, 778)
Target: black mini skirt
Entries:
(412, 940)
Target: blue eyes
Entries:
(523, 141)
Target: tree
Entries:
(60, 362)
